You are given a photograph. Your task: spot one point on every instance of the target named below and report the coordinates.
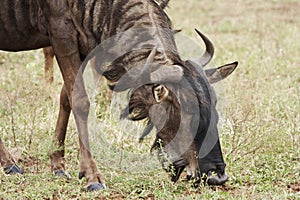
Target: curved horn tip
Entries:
(202, 36)
(209, 51)
(199, 33)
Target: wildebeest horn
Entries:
(209, 51)
(146, 70)
(171, 73)
(151, 56)
(163, 74)
(164, 4)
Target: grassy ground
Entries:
(259, 105)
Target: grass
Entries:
(259, 106)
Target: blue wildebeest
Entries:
(150, 67)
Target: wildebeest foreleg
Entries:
(57, 158)
(69, 62)
(80, 108)
(7, 161)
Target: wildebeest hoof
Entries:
(13, 169)
(80, 175)
(62, 173)
(95, 187)
(92, 187)
(216, 179)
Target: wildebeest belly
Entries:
(15, 42)
(20, 26)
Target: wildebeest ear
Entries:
(160, 93)
(216, 74)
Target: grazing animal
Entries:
(149, 65)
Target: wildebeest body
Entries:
(32, 24)
(74, 29)
(20, 26)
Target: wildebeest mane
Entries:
(205, 96)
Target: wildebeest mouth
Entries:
(173, 166)
(177, 168)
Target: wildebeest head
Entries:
(183, 111)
